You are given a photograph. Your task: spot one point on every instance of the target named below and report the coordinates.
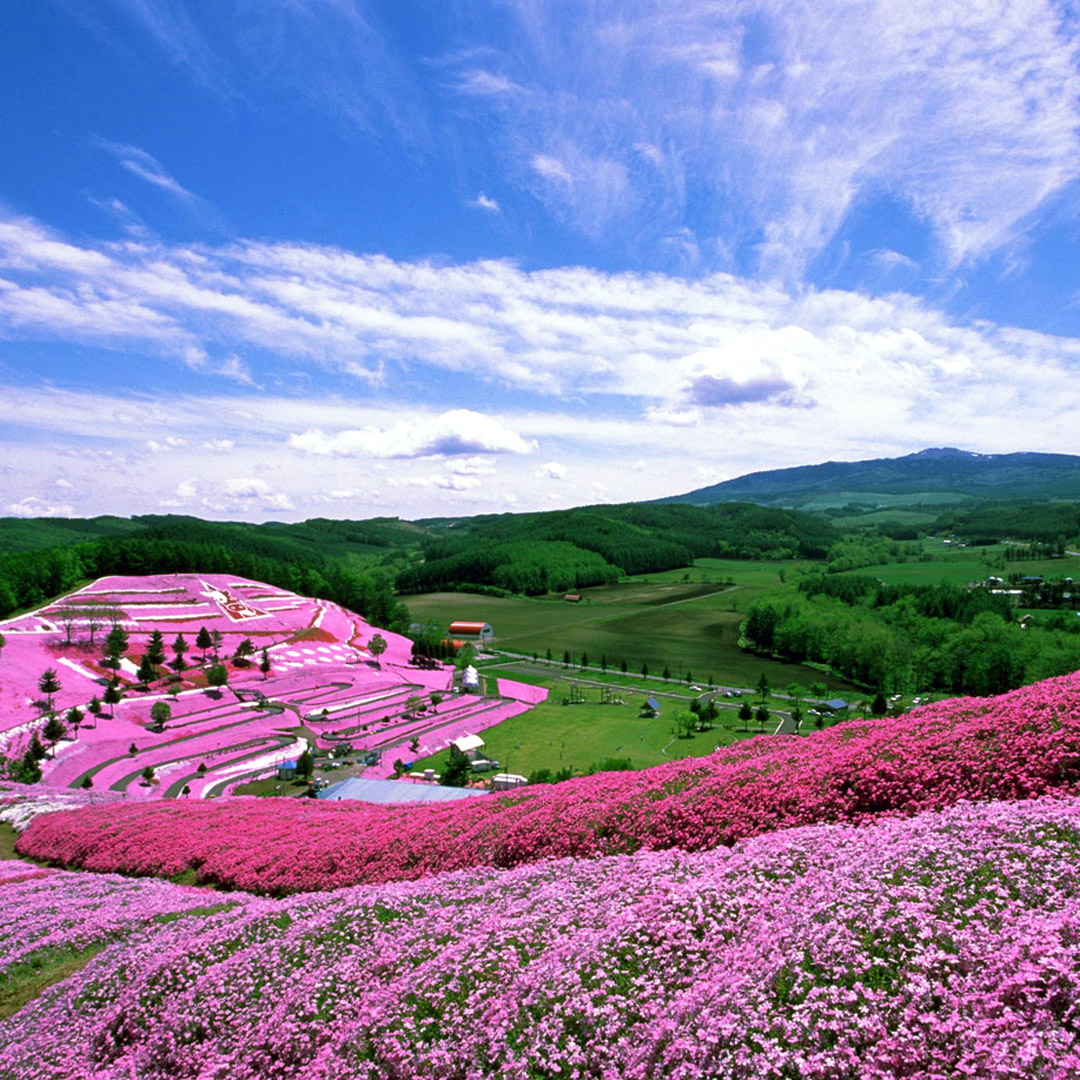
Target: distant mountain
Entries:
(934, 473)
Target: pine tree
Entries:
(113, 696)
(203, 641)
(146, 673)
(155, 649)
(179, 647)
(116, 644)
(54, 730)
(49, 684)
(264, 664)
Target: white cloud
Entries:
(31, 506)
(551, 168)
(218, 446)
(459, 431)
(484, 202)
(784, 116)
(551, 470)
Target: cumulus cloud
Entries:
(459, 431)
(713, 392)
(31, 507)
(551, 470)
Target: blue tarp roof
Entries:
(394, 791)
(837, 704)
(289, 765)
(653, 704)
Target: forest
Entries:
(911, 638)
(30, 578)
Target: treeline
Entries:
(910, 638)
(567, 549)
(1050, 523)
(532, 567)
(30, 578)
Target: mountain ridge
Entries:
(938, 470)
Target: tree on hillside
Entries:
(244, 651)
(179, 647)
(67, 617)
(457, 772)
(116, 644)
(35, 749)
(264, 664)
(644, 669)
(746, 714)
(215, 642)
(762, 715)
(146, 673)
(763, 688)
(160, 714)
(54, 730)
(623, 665)
(113, 696)
(603, 662)
(49, 684)
(305, 765)
(667, 673)
(584, 659)
(155, 649)
(87, 783)
(95, 619)
(74, 717)
(217, 675)
(148, 774)
(377, 646)
(203, 641)
(94, 708)
(566, 658)
(26, 769)
(880, 706)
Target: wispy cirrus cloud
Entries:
(777, 120)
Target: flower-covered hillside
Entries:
(190, 684)
(938, 946)
(1017, 746)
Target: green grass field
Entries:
(556, 736)
(659, 619)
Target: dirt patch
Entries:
(312, 633)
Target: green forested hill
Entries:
(937, 472)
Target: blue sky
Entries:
(290, 258)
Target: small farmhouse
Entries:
(468, 746)
(651, 708)
(471, 631)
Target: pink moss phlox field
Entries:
(941, 946)
(1017, 746)
(60, 910)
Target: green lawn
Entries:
(659, 620)
(554, 736)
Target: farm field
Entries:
(960, 568)
(656, 619)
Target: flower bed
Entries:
(941, 946)
(1020, 745)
